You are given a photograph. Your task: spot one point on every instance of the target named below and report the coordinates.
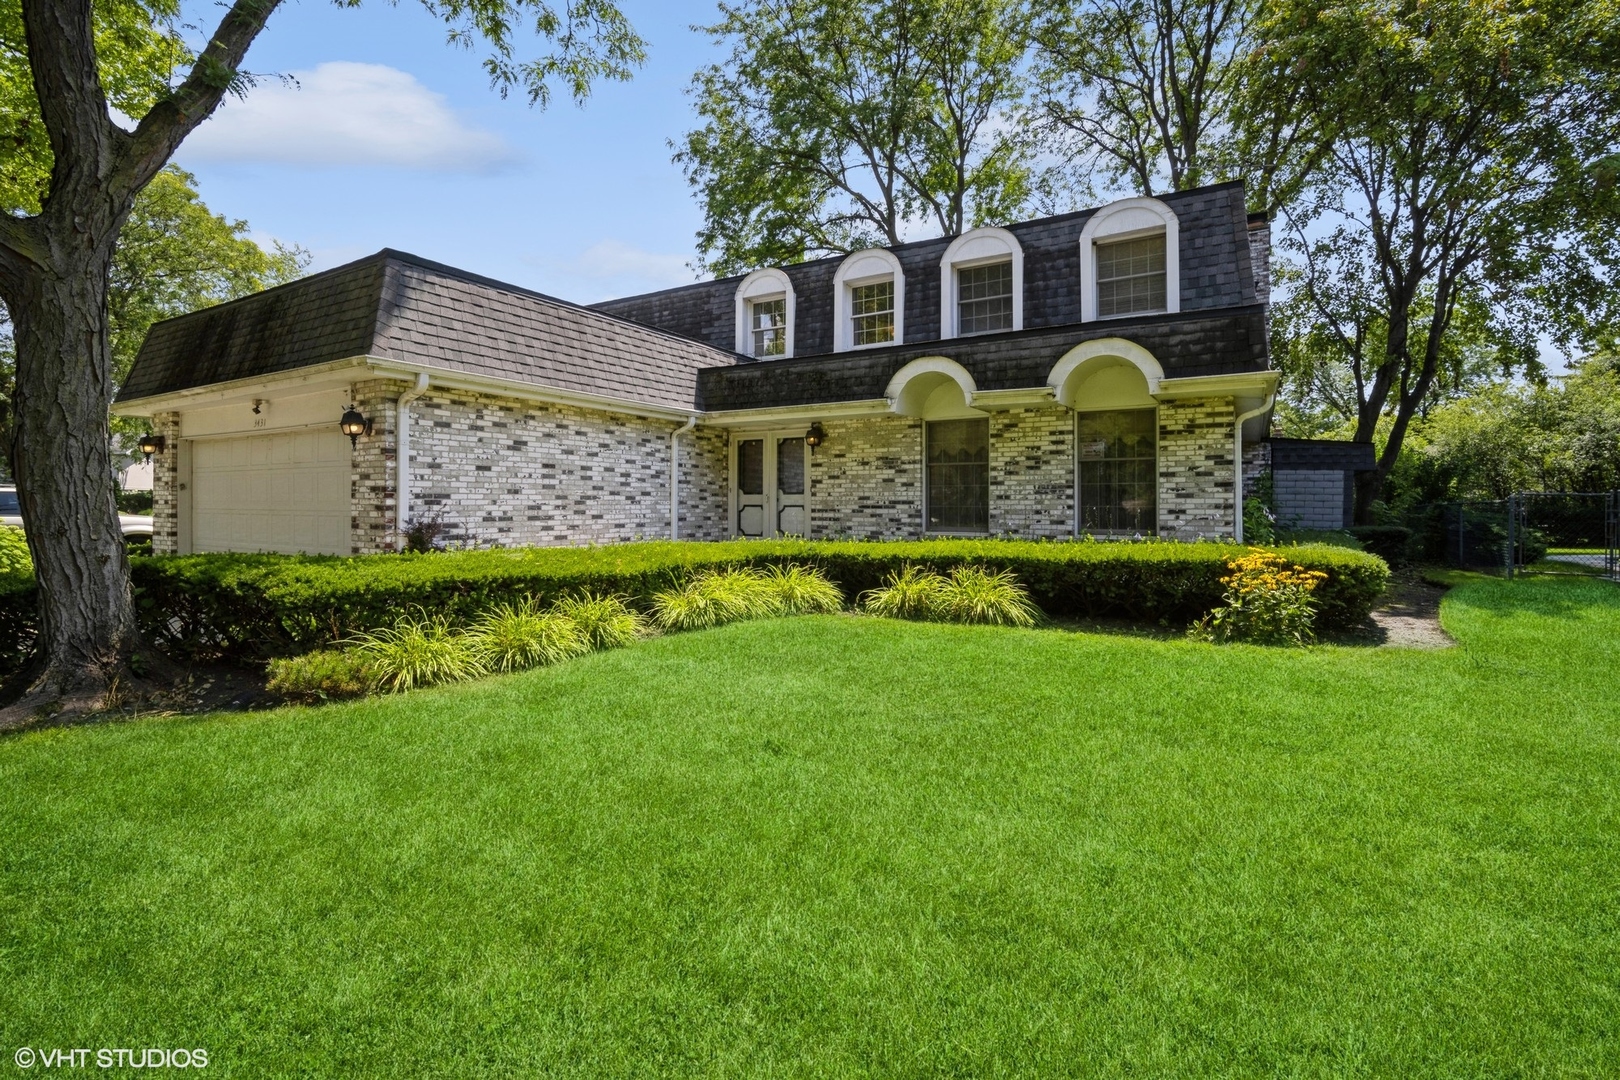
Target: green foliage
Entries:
(604, 621)
(324, 675)
(1259, 526)
(515, 637)
(832, 123)
(1267, 602)
(716, 597)
(139, 46)
(911, 592)
(904, 850)
(967, 594)
(1454, 216)
(1388, 542)
(16, 565)
(256, 606)
(418, 651)
(974, 594)
(803, 590)
(18, 601)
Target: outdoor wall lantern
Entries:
(815, 436)
(354, 425)
(151, 444)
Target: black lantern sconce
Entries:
(354, 425)
(152, 444)
(815, 436)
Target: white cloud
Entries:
(348, 114)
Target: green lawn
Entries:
(841, 847)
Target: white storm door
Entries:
(752, 494)
(285, 492)
(792, 512)
(770, 485)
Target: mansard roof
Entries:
(397, 306)
(1215, 272)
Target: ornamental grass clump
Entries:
(515, 637)
(604, 621)
(1268, 601)
(420, 651)
(716, 597)
(803, 590)
(324, 675)
(973, 594)
(912, 592)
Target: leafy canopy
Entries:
(835, 124)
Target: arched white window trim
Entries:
(760, 285)
(976, 248)
(861, 268)
(910, 388)
(1061, 378)
(1120, 221)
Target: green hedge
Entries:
(17, 608)
(257, 606)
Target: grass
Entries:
(837, 846)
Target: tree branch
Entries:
(216, 72)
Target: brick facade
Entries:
(165, 485)
(1196, 474)
(1032, 473)
(866, 480)
(509, 473)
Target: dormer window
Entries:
(872, 313)
(981, 282)
(1130, 276)
(1130, 261)
(765, 315)
(984, 298)
(869, 301)
(768, 323)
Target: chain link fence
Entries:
(1534, 532)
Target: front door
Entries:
(769, 485)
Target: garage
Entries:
(285, 492)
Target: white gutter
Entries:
(675, 477)
(1237, 460)
(402, 456)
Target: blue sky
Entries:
(392, 138)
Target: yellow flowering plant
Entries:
(1268, 601)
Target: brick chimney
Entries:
(1260, 255)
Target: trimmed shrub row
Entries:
(252, 607)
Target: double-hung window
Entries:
(984, 298)
(871, 309)
(1131, 276)
(767, 322)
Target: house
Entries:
(1102, 372)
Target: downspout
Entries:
(1237, 461)
(675, 477)
(402, 456)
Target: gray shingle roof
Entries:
(404, 308)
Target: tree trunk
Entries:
(64, 480)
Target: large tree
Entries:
(55, 261)
(174, 255)
(1165, 95)
(834, 124)
(1466, 192)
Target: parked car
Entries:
(137, 527)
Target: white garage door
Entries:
(287, 493)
